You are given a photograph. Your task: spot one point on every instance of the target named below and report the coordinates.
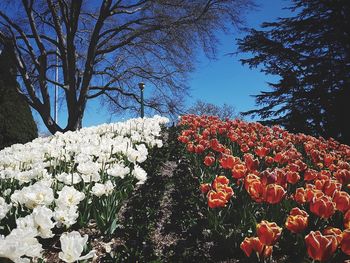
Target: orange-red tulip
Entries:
(312, 192)
(268, 232)
(297, 211)
(322, 206)
(342, 201)
(310, 175)
(251, 244)
(256, 190)
(228, 161)
(343, 176)
(190, 147)
(347, 220)
(274, 193)
(331, 186)
(199, 149)
(251, 163)
(292, 177)
(320, 247)
(209, 160)
(205, 188)
(220, 181)
(262, 151)
(183, 139)
(297, 220)
(335, 232)
(216, 199)
(300, 195)
(239, 171)
(228, 192)
(345, 243)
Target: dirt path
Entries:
(162, 221)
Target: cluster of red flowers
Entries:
(268, 234)
(273, 165)
(219, 193)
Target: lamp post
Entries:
(142, 87)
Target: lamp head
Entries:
(141, 85)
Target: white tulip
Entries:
(34, 195)
(39, 221)
(88, 168)
(42, 219)
(20, 242)
(69, 179)
(66, 216)
(109, 187)
(98, 189)
(118, 170)
(72, 245)
(140, 174)
(4, 208)
(69, 196)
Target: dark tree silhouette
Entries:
(106, 47)
(16, 121)
(310, 52)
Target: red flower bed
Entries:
(284, 187)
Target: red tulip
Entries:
(274, 193)
(199, 149)
(320, 247)
(300, 195)
(310, 175)
(297, 220)
(345, 243)
(331, 186)
(296, 211)
(183, 139)
(239, 171)
(292, 177)
(343, 176)
(269, 160)
(228, 192)
(216, 199)
(251, 163)
(205, 188)
(228, 161)
(328, 160)
(347, 219)
(256, 190)
(190, 147)
(262, 151)
(342, 201)
(335, 232)
(251, 244)
(312, 192)
(268, 232)
(322, 206)
(209, 160)
(220, 181)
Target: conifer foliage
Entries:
(310, 52)
(16, 121)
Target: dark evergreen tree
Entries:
(16, 121)
(310, 52)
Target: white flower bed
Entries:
(66, 180)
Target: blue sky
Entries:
(219, 81)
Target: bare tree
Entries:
(105, 47)
(224, 111)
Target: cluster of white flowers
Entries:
(43, 183)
